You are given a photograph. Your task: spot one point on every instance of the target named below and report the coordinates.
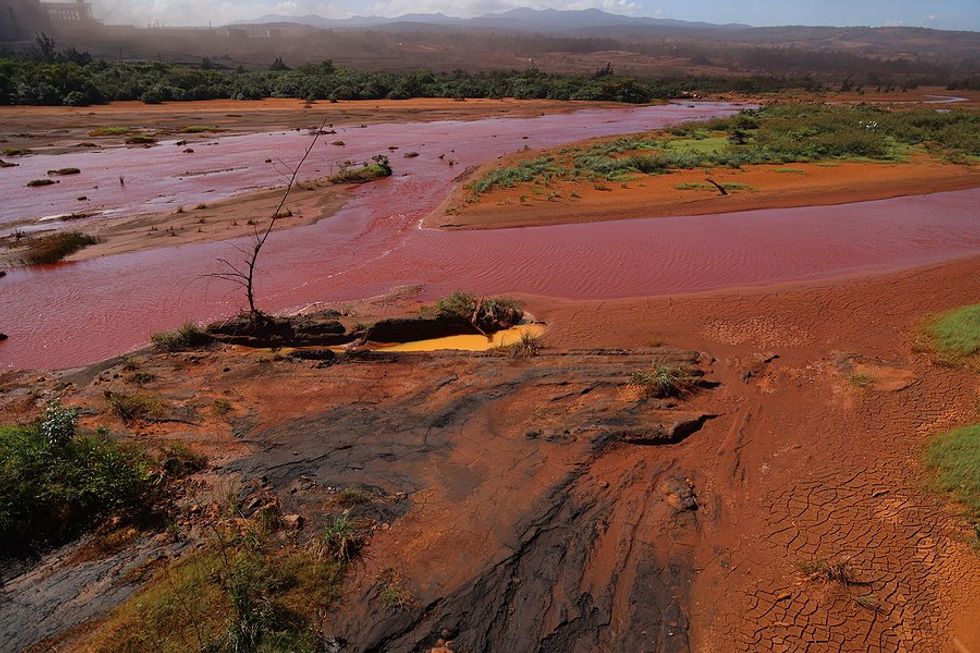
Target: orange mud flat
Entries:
(688, 192)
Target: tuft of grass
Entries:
(838, 571)
(186, 337)
(343, 539)
(221, 406)
(790, 171)
(665, 380)
(64, 172)
(38, 183)
(142, 378)
(528, 346)
(351, 497)
(135, 407)
(394, 593)
(49, 249)
(860, 380)
(955, 335)
(954, 460)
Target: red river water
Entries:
(75, 313)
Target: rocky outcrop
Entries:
(314, 330)
(539, 511)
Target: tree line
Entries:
(48, 76)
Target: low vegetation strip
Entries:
(772, 135)
(954, 458)
(44, 250)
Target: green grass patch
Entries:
(955, 335)
(790, 171)
(954, 460)
(242, 593)
(45, 250)
(709, 145)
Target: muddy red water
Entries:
(76, 313)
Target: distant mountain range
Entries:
(521, 19)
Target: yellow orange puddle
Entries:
(470, 342)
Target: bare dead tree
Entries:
(242, 273)
(721, 189)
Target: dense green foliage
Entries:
(956, 335)
(777, 134)
(56, 483)
(954, 458)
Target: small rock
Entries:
(293, 522)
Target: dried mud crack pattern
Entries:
(898, 546)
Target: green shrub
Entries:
(489, 314)
(45, 250)
(188, 336)
(55, 484)
(379, 169)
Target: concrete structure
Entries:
(20, 20)
(67, 17)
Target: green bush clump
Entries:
(379, 169)
(45, 250)
(56, 483)
(489, 314)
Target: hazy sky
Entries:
(943, 14)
